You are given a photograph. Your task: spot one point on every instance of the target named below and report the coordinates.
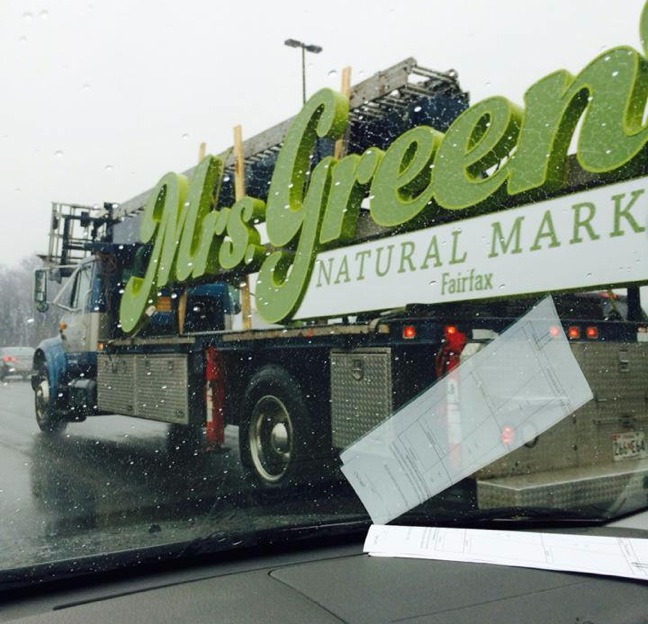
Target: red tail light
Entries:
(574, 332)
(8, 358)
(592, 332)
(409, 332)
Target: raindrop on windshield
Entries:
(44, 14)
(109, 168)
(58, 153)
(333, 73)
(27, 16)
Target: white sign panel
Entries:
(518, 386)
(585, 240)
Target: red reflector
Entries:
(554, 331)
(215, 398)
(573, 333)
(592, 333)
(409, 332)
(508, 435)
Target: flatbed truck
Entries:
(299, 389)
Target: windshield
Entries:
(315, 268)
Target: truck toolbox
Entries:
(152, 386)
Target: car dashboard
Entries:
(338, 583)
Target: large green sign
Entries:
(493, 149)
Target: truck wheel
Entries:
(275, 434)
(48, 420)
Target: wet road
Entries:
(114, 483)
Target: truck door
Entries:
(76, 301)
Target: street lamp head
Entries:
(294, 43)
(315, 49)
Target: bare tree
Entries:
(20, 323)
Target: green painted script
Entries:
(493, 149)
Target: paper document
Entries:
(614, 556)
(518, 386)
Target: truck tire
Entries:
(49, 421)
(276, 436)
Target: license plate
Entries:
(629, 445)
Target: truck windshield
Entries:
(393, 273)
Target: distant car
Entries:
(16, 361)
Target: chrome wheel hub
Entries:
(270, 438)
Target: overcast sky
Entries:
(100, 98)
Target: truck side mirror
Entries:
(40, 290)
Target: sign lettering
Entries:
(555, 242)
(492, 150)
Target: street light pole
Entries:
(303, 51)
(305, 47)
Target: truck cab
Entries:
(65, 378)
(65, 365)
